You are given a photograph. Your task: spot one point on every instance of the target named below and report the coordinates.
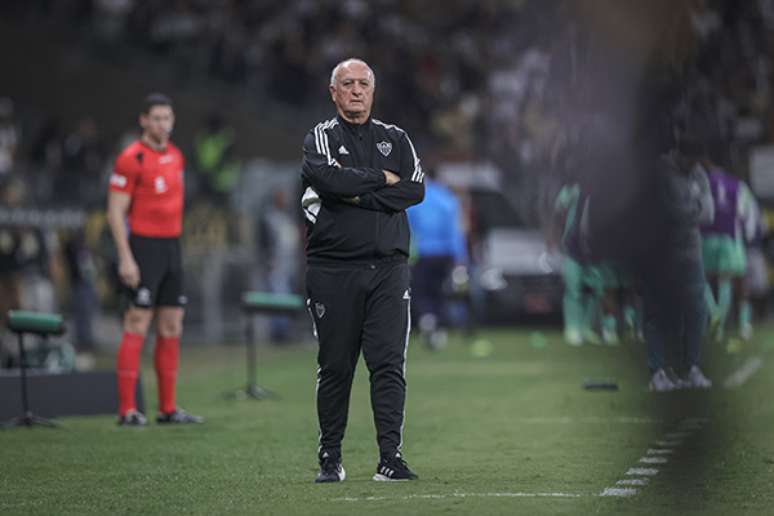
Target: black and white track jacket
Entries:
(351, 214)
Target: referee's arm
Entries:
(118, 207)
(410, 190)
(327, 177)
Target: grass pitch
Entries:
(509, 433)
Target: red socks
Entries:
(128, 366)
(165, 359)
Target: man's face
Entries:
(158, 123)
(353, 91)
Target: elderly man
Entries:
(359, 175)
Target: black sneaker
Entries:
(331, 469)
(179, 417)
(394, 469)
(132, 418)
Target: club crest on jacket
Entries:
(385, 148)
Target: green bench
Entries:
(23, 322)
(266, 302)
(262, 303)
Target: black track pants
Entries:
(360, 307)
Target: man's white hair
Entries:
(346, 62)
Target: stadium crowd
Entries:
(500, 88)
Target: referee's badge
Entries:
(385, 148)
(319, 309)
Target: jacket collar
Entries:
(355, 128)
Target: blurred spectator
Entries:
(673, 281)
(111, 16)
(217, 169)
(280, 242)
(26, 258)
(9, 137)
(439, 244)
(10, 297)
(46, 156)
(81, 271)
(83, 161)
(174, 25)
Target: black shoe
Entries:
(393, 469)
(178, 416)
(331, 469)
(132, 418)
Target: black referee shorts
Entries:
(161, 272)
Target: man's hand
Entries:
(390, 178)
(129, 272)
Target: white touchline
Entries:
(744, 373)
(618, 491)
(654, 456)
(652, 451)
(633, 482)
(654, 460)
(458, 495)
(642, 471)
(669, 444)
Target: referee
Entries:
(146, 190)
(359, 175)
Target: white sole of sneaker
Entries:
(382, 478)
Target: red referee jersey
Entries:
(154, 180)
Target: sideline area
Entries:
(512, 431)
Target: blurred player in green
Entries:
(584, 283)
(724, 249)
(749, 225)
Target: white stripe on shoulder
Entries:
(327, 126)
(417, 175)
(317, 138)
(326, 146)
(321, 138)
(387, 126)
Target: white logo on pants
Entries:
(143, 296)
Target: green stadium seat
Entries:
(23, 322)
(38, 323)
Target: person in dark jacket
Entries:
(359, 175)
(673, 281)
